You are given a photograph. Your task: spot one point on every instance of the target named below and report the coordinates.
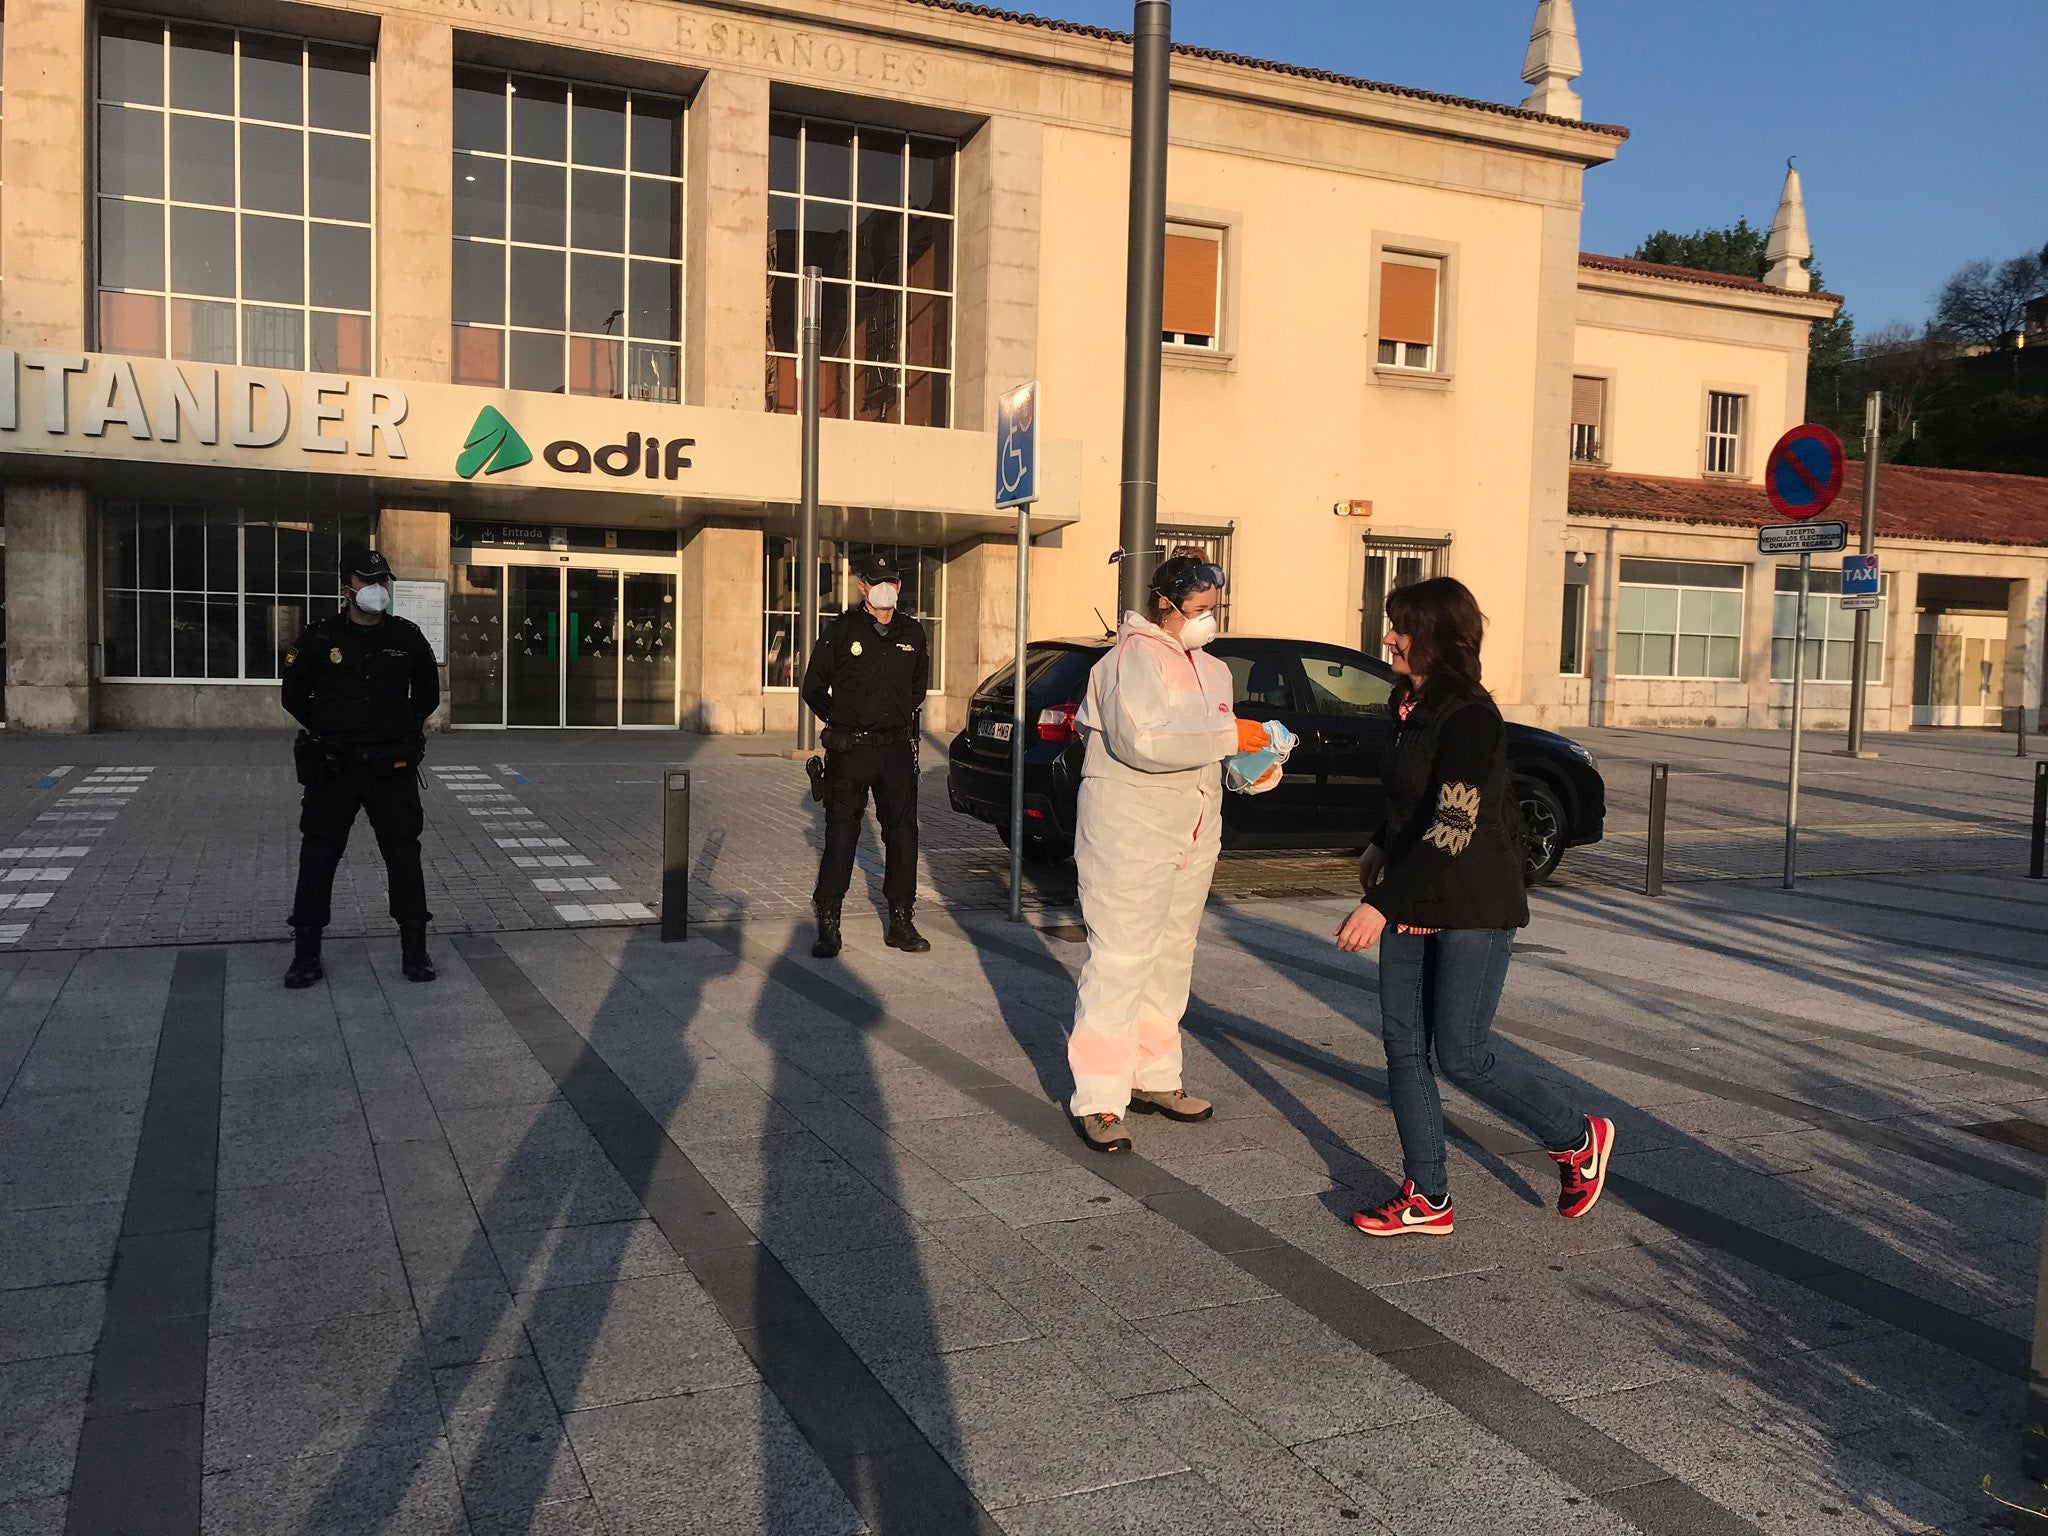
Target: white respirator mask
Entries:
(375, 598)
(1198, 632)
(882, 597)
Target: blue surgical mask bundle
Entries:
(1253, 773)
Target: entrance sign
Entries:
(1804, 472)
(1017, 447)
(1802, 538)
(1859, 582)
(1017, 486)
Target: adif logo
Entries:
(493, 446)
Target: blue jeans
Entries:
(1438, 992)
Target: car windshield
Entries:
(1056, 671)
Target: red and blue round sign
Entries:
(1804, 473)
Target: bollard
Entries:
(2034, 864)
(2020, 730)
(1653, 870)
(675, 855)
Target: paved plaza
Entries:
(602, 1235)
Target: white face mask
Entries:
(1198, 632)
(375, 598)
(882, 598)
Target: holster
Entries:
(316, 760)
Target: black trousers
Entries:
(850, 774)
(392, 801)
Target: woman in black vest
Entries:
(1443, 898)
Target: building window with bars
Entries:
(1589, 420)
(1411, 312)
(211, 592)
(1724, 433)
(1678, 619)
(1192, 312)
(232, 195)
(568, 237)
(839, 560)
(1830, 629)
(872, 209)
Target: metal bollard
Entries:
(2034, 863)
(2020, 730)
(1653, 869)
(675, 855)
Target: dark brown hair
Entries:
(1444, 626)
(1174, 581)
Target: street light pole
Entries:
(1873, 417)
(1144, 298)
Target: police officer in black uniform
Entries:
(866, 680)
(362, 682)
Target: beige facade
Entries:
(609, 540)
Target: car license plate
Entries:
(997, 730)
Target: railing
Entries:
(1586, 444)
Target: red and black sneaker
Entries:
(1584, 1172)
(1406, 1212)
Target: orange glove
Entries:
(1252, 736)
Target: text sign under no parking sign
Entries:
(1802, 538)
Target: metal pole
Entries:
(1798, 722)
(807, 534)
(1144, 295)
(1872, 449)
(675, 856)
(2039, 856)
(2020, 729)
(1653, 870)
(1017, 715)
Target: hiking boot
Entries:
(412, 952)
(305, 968)
(1103, 1133)
(1173, 1103)
(1583, 1173)
(827, 947)
(903, 933)
(1407, 1212)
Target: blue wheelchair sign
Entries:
(1017, 447)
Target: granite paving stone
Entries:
(1286, 1372)
(623, 1341)
(581, 1255)
(907, 1299)
(1179, 1502)
(51, 1245)
(1142, 1265)
(395, 1490)
(32, 1517)
(41, 1405)
(1061, 1193)
(324, 1389)
(47, 1321)
(1019, 1422)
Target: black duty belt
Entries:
(838, 738)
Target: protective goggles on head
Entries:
(1192, 580)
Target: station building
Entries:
(508, 287)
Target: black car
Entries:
(1333, 698)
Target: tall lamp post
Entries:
(1144, 299)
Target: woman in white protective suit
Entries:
(1157, 723)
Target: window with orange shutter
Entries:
(1410, 311)
(1192, 314)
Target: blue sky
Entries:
(1920, 145)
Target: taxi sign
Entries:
(1859, 582)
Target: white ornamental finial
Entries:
(1788, 250)
(1552, 62)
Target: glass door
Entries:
(647, 666)
(476, 645)
(590, 671)
(533, 653)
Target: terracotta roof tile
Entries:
(1952, 505)
(1297, 71)
(1692, 275)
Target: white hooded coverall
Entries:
(1158, 723)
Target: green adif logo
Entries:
(493, 446)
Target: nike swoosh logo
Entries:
(1414, 1217)
(1590, 1168)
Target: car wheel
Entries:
(1543, 823)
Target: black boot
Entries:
(412, 952)
(827, 947)
(305, 968)
(903, 933)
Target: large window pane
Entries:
(341, 266)
(598, 130)
(273, 79)
(655, 296)
(479, 282)
(203, 252)
(273, 173)
(657, 136)
(131, 60)
(203, 331)
(656, 218)
(828, 161)
(881, 168)
(597, 293)
(273, 260)
(272, 337)
(203, 69)
(202, 160)
(132, 151)
(598, 203)
(338, 88)
(540, 119)
(538, 289)
(480, 111)
(338, 178)
(540, 207)
(479, 183)
(537, 360)
(131, 249)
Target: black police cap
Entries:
(878, 567)
(366, 563)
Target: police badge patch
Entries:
(856, 647)
(291, 657)
(335, 655)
